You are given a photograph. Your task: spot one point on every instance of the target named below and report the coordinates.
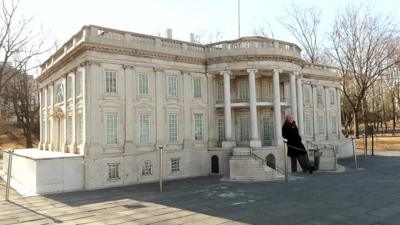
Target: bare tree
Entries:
(264, 32)
(304, 23)
(363, 47)
(19, 44)
(22, 97)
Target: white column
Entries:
(227, 143)
(338, 110)
(277, 107)
(50, 92)
(315, 112)
(73, 124)
(46, 118)
(300, 122)
(41, 111)
(293, 98)
(327, 104)
(64, 147)
(255, 140)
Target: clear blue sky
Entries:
(63, 18)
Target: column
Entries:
(129, 72)
(300, 122)
(315, 112)
(161, 124)
(338, 110)
(64, 147)
(73, 124)
(293, 98)
(50, 92)
(277, 108)
(227, 143)
(41, 141)
(255, 140)
(46, 118)
(327, 128)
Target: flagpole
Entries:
(239, 18)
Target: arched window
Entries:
(214, 164)
(271, 161)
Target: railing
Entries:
(262, 161)
(247, 100)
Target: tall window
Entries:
(198, 127)
(307, 95)
(320, 97)
(267, 131)
(321, 124)
(266, 89)
(69, 129)
(220, 90)
(175, 165)
(113, 171)
(172, 127)
(144, 128)
(111, 81)
(333, 125)
(59, 92)
(243, 89)
(143, 84)
(69, 87)
(112, 128)
(332, 97)
(147, 169)
(196, 87)
(172, 86)
(221, 129)
(78, 84)
(308, 126)
(79, 122)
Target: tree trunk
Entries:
(394, 116)
(356, 131)
(28, 137)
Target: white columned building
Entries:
(110, 97)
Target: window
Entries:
(172, 127)
(175, 167)
(308, 125)
(172, 86)
(111, 81)
(307, 95)
(80, 128)
(48, 93)
(143, 84)
(320, 97)
(333, 125)
(59, 92)
(321, 124)
(78, 84)
(147, 168)
(221, 129)
(267, 131)
(266, 89)
(69, 87)
(243, 89)
(196, 87)
(112, 128)
(220, 90)
(113, 171)
(69, 129)
(144, 128)
(332, 97)
(198, 127)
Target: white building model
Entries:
(111, 97)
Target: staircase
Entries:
(246, 166)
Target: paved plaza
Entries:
(370, 195)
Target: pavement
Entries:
(368, 195)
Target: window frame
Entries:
(169, 86)
(175, 165)
(144, 139)
(197, 93)
(198, 127)
(115, 128)
(111, 87)
(145, 91)
(147, 168)
(114, 171)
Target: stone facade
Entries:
(114, 96)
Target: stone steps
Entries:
(246, 168)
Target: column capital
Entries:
(296, 73)
(277, 70)
(252, 70)
(223, 72)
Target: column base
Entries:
(255, 143)
(228, 144)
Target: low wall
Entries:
(44, 172)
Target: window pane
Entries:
(198, 127)
(172, 86)
(143, 84)
(144, 129)
(333, 125)
(147, 168)
(111, 81)
(173, 127)
(243, 90)
(112, 128)
(220, 90)
(196, 88)
(175, 165)
(321, 123)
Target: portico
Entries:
(276, 95)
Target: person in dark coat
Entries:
(296, 149)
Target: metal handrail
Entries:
(259, 159)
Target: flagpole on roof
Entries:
(238, 18)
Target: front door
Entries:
(243, 131)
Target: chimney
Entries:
(192, 38)
(169, 33)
